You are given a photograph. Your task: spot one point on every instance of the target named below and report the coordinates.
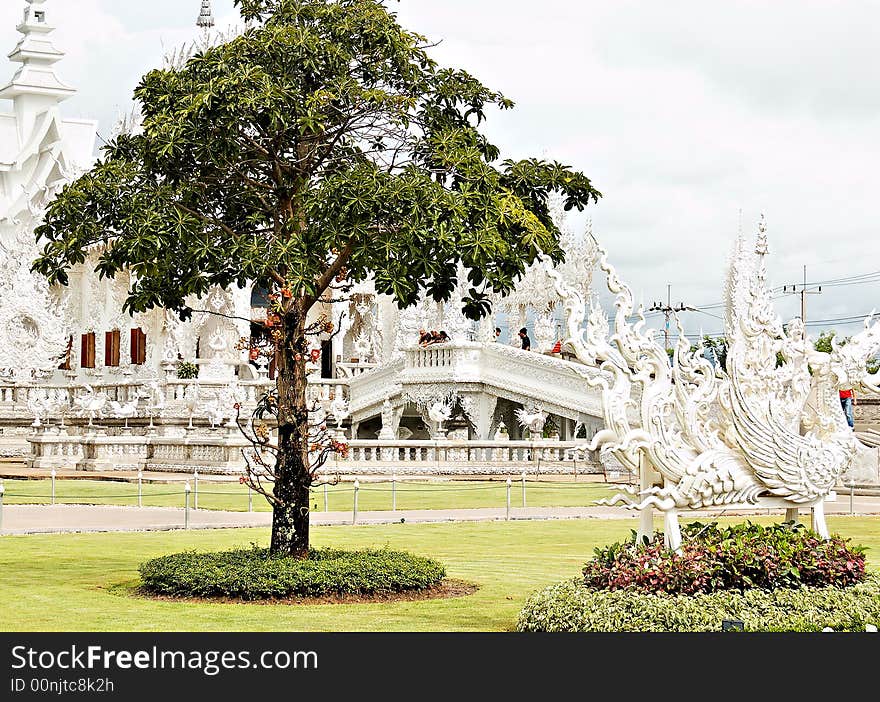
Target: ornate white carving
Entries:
(532, 419)
(439, 412)
(536, 290)
(33, 329)
(125, 411)
(717, 438)
(91, 403)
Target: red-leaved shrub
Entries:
(737, 557)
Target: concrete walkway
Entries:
(45, 519)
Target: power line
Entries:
(668, 311)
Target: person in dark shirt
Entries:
(424, 337)
(443, 337)
(526, 342)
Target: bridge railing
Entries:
(445, 453)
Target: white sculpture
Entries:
(533, 420)
(191, 401)
(363, 347)
(124, 411)
(216, 410)
(40, 405)
(700, 437)
(155, 397)
(340, 411)
(91, 403)
(440, 412)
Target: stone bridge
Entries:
(488, 381)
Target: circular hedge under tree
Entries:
(257, 574)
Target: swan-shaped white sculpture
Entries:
(155, 397)
(532, 419)
(91, 403)
(124, 411)
(439, 412)
(216, 410)
(39, 405)
(760, 432)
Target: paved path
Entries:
(45, 519)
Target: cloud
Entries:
(682, 113)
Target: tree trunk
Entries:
(290, 518)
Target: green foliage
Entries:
(255, 574)
(570, 606)
(714, 347)
(737, 557)
(187, 370)
(323, 143)
(825, 341)
(320, 148)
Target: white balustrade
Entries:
(466, 456)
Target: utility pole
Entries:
(668, 310)
(805, 290)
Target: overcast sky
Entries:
(683, 113)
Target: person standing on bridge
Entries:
(526, 341)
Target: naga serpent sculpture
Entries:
(768, 430)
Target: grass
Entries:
(372, 496)
(85, 582)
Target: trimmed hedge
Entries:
(571, 607)
(737, 557)
(253, 574)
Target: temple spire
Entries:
(35, 87)
(206, 16)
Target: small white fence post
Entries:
(140, 488)
(53, 485)
(524, 488)
(196, 489)
(250, 499)
(326, 502)
(187, 490)
(354, 514)
(508, 498)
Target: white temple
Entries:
(70, 356)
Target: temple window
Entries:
(111, 348)
(138, 347)
(87, 355)
(40, 16)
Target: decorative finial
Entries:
(38, 55)
(762, 249)
(206, 16)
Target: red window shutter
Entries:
(87, 356)
(108, 348)
(138, 347)
(111, 348)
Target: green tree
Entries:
(714, 348)
(824, 342)
(320, 147)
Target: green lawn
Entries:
(371, 496)
(83, 582)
